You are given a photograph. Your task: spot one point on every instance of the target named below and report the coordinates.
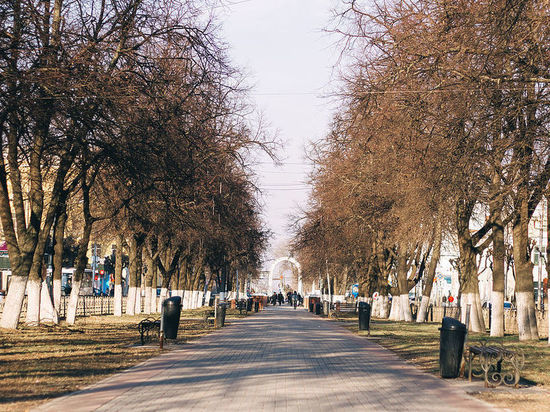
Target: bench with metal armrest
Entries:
(491, 360)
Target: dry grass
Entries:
(419, 344)
(47, 362)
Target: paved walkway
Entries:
(280, 359)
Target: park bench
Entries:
(491, 360)
(345, 307)
(146, 328)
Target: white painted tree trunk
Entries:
(57, 294)
(394, 312)
(73, 303)
(194, 296)
(405, 308)
(477, 323)
(199, 299)
(33, 302)
(148, 300)
(385, 307)
(526, 316)
(48, 314)
(131, 301)
(117, 311)
(497, 313)
(375, 311)
(163, 295)
(14, 302)
(137, 309)
(187, 300)
(422, 314)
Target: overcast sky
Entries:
(281, 44)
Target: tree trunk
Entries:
(149, 307)
(429, 279)
(34, 286)
(395, 308)
(118, 275)
(59, 235)
(525, 298)
(132, 277)
(403, 285)
(470, 289)
(469, 285)
(139, 278)
(48, 314)
(385, 307)
(497, 294)
(344, 283)
(79, 272)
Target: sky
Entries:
(282, 46)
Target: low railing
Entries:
(88, 306)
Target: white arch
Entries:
(292, 261)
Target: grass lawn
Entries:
(45, 362)
(419, 344)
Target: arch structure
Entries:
(292, 261)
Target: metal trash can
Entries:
(220, 315)
(364, 316)
(451, 345)
(171, 310)
(317, 308)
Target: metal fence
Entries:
(437, 313)
(88, 306)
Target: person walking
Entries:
(294, 299)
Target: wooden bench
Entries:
(146, 326)
(491, 360)
(344, 307)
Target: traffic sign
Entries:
(355, 290)
(451, 299)
(375, 295)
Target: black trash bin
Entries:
(364, 316)
(451, 345)
(220, 315)
(317, 308)
(256, 306)
(171, 316)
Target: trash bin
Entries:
(220, 315)
(311, 305)
(325, 307)
(317, 308)
(451, 345)
(171, 310)
(249, 305)
(256, 306)
(364, 316)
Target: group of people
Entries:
(292, 298)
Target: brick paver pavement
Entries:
(279, 359)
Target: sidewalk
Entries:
(279, 359)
